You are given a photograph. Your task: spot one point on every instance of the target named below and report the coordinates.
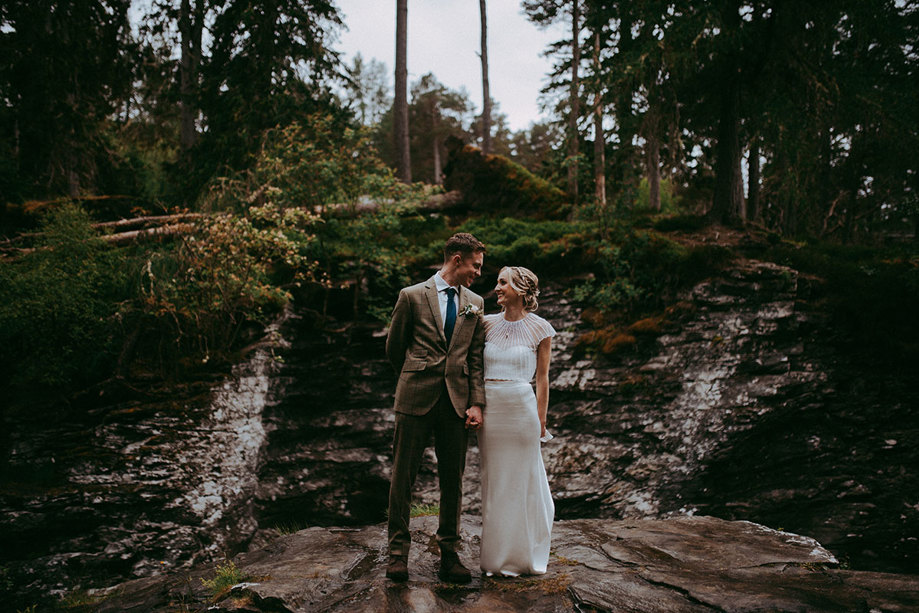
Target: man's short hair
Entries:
(463, 243)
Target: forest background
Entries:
(167, 190)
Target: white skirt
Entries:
(517, 507)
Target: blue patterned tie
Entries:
(450, 320)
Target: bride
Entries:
(517, 507)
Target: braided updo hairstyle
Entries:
(526, 283)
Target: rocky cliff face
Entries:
(127, 487)
(742, 408)
(688, 564)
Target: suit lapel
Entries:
(430, 290)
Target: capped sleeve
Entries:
(541, 329)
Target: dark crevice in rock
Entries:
(684, 592)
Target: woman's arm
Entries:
(543, 357)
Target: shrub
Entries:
(368, 218)
(234, 269)
(670, 202)
(637, 271)
(540, 245)
(62, 306)
(312, 164)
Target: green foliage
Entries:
(670, 202)
(422, 510)
(369, 249)
(231, 271)
(78, 599)
(368, 221)
(73, 309)
(435, 113)
(640, 270)
(540, 245)
(226, 575)
(313, 163)
(61, 306)
(255, 75)
(494, 185)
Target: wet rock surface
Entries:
(742, 408)
(678, 565)
(159, 481)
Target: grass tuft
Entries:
(423, 510)
(227, 575)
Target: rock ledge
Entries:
(679, 564)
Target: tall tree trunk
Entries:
(753, 181)
(435, 116)
(654, 170)
(599, 137)
(400, 107)
(624, 166)
(72, 173)
(574, 101)
(190, 29)
(737, 198)
(727, 201)
(486, 95)
(725, 204)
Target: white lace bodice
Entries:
(510, 346)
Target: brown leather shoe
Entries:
(452, 570)
(397, 569)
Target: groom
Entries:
(435, 344)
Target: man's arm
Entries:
(400, 331)
(475, 359)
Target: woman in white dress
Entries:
(517, 507)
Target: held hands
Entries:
(474, 417)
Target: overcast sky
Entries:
(444, 38)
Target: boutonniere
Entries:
(470, 310)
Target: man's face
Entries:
(469, 268)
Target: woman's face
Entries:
(505, 293)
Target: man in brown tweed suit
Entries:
(435, 344)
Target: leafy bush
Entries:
(640, 270)
(542, 246)
(670, 202)
(368, 253)
(313, 164)
(61, 305)
(363, 238)
(231, 271)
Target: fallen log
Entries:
(150, 219)
(133, 236)
(437, 203)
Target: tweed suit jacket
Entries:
(417, 349)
